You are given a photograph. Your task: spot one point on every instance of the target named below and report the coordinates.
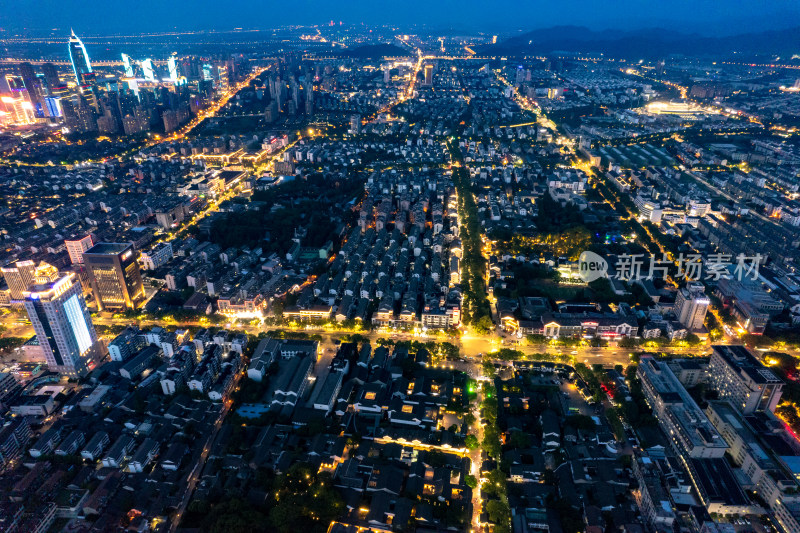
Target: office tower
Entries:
(428, 74)
(691, 305)
(62, 323)
(114, 275)
(741, 379)
(80, 61)
(387, 73)
(75, 248)
(355, 124)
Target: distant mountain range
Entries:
(646, 43)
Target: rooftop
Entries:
(107, 248)
(740, 359)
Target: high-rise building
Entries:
(691, 306)
(133, 124)
(62, 323)
(741, 379)
(52, 107)
(428, 74)
(75, 248)
(32, 84)
(114, 275)
(170, 120)
(52, 78)
(355, 124)
(271, 112)
(19, 276)
(172, 67)
(78, 117)
(107, 123)
(148, 70)
(81, 65)
(128, 65)
(16, 103)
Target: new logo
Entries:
(591, 266)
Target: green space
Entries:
(311, 203)
(476, 309)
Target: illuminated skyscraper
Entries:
(172, 66)
(126, 61)
(80, 60)
(148, 70)
(62, 323)
(114, 275)
(428, 74)
(18, 277)
(17, 109)
(16, 104)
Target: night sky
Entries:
(711, 17)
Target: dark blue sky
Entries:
(705, 16)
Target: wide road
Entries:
(470, 346)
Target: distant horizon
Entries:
(702, 17)
(508, 33)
